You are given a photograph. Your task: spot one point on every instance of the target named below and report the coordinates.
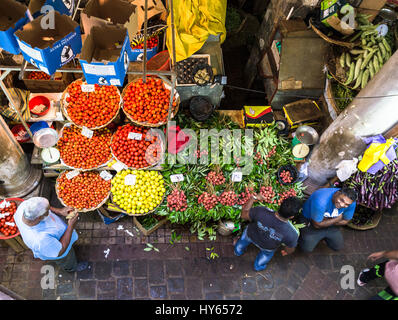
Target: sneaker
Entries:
(361, 281)
(81, 266)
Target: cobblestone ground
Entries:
(183, 270)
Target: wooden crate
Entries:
(146, 232)
(42, 86)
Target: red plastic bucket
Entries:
(159, 62)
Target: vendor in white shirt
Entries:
(46, 234)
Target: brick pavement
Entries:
(183, 270)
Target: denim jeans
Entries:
(69, 262)
(262, 258)
(310, 237)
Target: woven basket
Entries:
(333, 65)
(78, 210)
(64, 107)
(68, 124)
(153, 125)
(17, 201)
(137, 215)
(162, 152)
(375, 221)
(349, 45)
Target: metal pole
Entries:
(145, 39)
(11, 100)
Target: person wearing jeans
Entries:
(323, 212)
(267, 230)
(387, 269)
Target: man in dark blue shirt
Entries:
(324, 211)
(268, 230)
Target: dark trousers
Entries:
(69, 262)
(378, 272)
(310, 237)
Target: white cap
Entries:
(35, 207)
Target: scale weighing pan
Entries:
(307, 135)
(45, 138)
(300, 150)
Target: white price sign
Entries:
(118, 166)
(88, 88)
(236, 176)
(135, 136)
(130, 179)
(87, 132)
(176, 178)
(71, 174)
(106, 175)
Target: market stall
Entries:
(99, 117)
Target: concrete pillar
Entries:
(374, 111)
(17, 177)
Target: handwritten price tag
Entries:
(135, 136)
(88, 88)
(118, 166)
(176, 178)
(130, 179)
(106, 175)
(70, 175)
(87, 132)
(236, 176)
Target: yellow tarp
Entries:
(194, 21)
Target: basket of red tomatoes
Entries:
(8, 227)
(78, 151)
(137, 147)
(92, 106)
(83, 191)
(147, 104)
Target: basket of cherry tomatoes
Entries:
(137, 147)
(78, 151)
(83, 191)
(92, 106)
(8, 227)
(147, 104)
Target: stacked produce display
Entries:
(211, 192)
(8, 228)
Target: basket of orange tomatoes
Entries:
(147, 103)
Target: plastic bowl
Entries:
(293, 172)
(16, 131)
(37, 101)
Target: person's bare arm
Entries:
(342, 222)
(391, 255)
(65, 239)
(62, 211)
(248, 205)
(327, 222)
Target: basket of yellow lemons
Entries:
(137, 192)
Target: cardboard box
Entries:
(50, 49)
(13, 16)
(104, 58)
(62, 6)
(59, 84)
(330, 10)
(371, 7)
(155, 7)
(138, 54)
(109, 12)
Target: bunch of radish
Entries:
(268, 193)
(215, 178)
(245, 195)
(287, 194)
(177, 201)
(208, 200)
(286, 176)
(228, 198)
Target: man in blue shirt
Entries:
(46, 234)
(324, 211)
